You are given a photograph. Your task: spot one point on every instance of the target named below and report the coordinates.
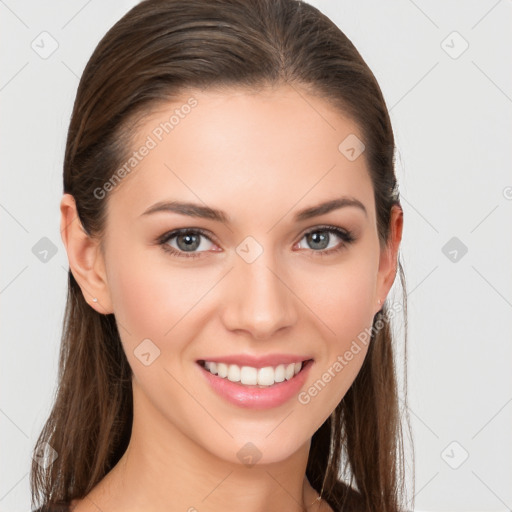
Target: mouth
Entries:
(255, 377)
(260, 386)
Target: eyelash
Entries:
(346, 236)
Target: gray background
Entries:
(451, 111)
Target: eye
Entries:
(187, 240)
(320, 239)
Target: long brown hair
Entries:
(159, 49)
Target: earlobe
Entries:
(388, 264)
(85, 258)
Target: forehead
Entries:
(243, 152)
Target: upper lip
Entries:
(258, 361)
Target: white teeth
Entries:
(234, 373)
(248, 375)
(222, 370)
(266, 376)
(211, 366)
(251, 376)
(279, 373)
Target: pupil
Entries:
(189, 241)
(314, 238)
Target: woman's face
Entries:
(263, 282)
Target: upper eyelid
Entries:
(173, 233)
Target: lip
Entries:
(258, 362)
(253, 397)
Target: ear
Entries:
(86, 260)
(388, 263)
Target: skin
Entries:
(260, 157)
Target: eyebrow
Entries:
(205, 212)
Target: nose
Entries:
(259, 300)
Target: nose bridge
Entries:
(259, 301)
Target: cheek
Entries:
(150, 297)
(342, 299)
(136, 303)
(345, 317)
(341, 296)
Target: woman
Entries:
(232, 223)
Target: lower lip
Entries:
(253, 397)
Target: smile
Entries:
(256, 388)
(251, 376)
